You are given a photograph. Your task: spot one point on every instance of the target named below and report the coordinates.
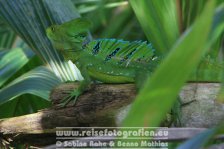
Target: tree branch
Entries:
(97, 107)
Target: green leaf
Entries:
(161, 90)
(39, 82)
(30, 18)
(158, 19)
(11, 61)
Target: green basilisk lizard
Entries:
(105, 60)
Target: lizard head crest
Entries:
(69, 35)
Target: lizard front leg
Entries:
(78, 91)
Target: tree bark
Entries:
(96, 107)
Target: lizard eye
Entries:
(52, 29)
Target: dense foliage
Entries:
(187, 33)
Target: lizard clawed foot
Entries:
(72, 97)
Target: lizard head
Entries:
(69, 35)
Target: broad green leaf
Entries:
(39, 82)
(11, 61)
(158, 19)
(160, 91)
(30, 18)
